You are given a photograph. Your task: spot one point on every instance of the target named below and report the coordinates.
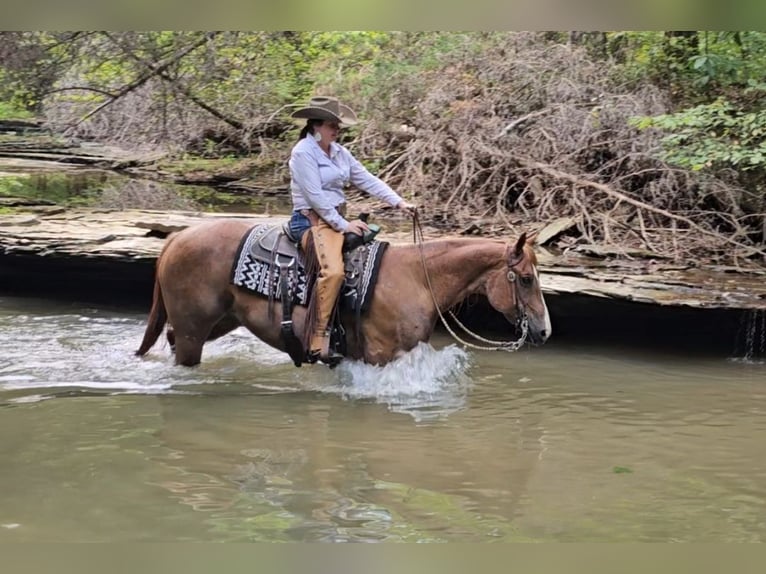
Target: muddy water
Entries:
(557, 443)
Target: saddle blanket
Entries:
(264, 247)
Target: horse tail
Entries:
(156, 322)
(158, 315)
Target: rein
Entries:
(510, 346)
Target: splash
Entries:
(752, 334)
(91, 353)
(425, 383)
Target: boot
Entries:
(320, 350)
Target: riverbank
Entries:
(108, 256)
(34, 238)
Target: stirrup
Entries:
(324, 352)
(331, 359)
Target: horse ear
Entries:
(519, 249)
(532, 237)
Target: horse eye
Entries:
(527, 280)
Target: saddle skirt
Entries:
(265, 248)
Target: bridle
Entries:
(511, 275)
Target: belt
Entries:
(314, 216)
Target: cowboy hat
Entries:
(327, 108)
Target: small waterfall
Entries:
(751, 338)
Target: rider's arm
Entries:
(373, 185)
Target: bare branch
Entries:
(639, 204)
(236, 124)
(146, 77)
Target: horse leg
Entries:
(379, 346)
(188, 349)
(171, 337)
(226, 325)
(390, 333)
(189, 332)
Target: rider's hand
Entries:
(357, 226)
(407, 207)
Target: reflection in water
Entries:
(545, 444)
(108, 190)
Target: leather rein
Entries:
(490, 345)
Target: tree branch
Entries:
(236, 124)
(146, 77)
(558, 174)
(81, 88)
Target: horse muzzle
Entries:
(537, 337)
(538, 329)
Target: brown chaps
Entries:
(328, 245)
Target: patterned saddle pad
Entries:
(265, 247)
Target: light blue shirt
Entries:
(317, 181)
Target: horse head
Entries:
(514, 289)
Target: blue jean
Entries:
(299, 224)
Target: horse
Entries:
(416, 283)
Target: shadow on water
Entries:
(623, 325)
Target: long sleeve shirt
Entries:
(318, 180)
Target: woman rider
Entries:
(320, 168)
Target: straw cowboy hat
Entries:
(327, 108)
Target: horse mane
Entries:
(454, 242)
(450, 243)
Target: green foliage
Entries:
(693, 66)
(30, 63)
(382, 73)
(253, 77)
(8, 111)
(724, 59)
(13, 186)
(713, 136)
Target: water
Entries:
(752, 336)
(557, 443)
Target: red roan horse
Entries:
(194, 293)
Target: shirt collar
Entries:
(334, 148)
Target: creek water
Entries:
(564, 442)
